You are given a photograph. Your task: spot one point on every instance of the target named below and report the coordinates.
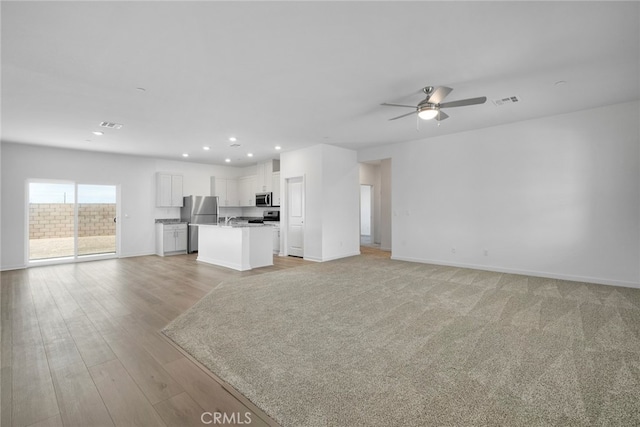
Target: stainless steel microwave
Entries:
(264, 199)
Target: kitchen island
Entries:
(239, 246)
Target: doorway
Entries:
(366, 214)
(70, 221)
(375, 203)
(295, 217)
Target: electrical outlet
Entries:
(453, 250)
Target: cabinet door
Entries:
(181, 239)
(233, 198)
(176, 191)
(219, 189)
(163, 190)
(169, 240)
(268, 172)
(247, 190)
(261, 185)
(243, 191)
(275, 179)
(251, 197)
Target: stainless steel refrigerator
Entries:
(198, 210)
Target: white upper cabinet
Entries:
(264, 175)
(247, 190)
(168, 190)
(275, 185)
(226, 189)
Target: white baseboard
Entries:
(572, 278)
(345, 255)
(13, 267)
(133, 255)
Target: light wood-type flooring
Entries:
(81, 347)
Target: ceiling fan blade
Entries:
(441, 115)
(397, 105)
(404, 115)
(463, 102)
(439, 94)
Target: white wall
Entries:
(341, 203)
(331, 199)
(306, 163)
(556, 197)
(134, 175)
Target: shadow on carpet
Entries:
(376, 342)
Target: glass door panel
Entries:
(51, 220)
(96, 219)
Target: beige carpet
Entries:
(369, 341)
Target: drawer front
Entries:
(173, 227)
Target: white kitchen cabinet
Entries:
(171, 239)
(275, 188)
(240, 248)
(247, 190)
(226, 189)
(264, 175)
(168, 190)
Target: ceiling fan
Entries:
(429, 108)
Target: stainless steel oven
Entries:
(264, 199)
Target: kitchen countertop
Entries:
(170, 221)
(235, 225)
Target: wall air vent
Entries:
(505, 101)
(111, 125)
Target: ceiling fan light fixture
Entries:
(428, 112)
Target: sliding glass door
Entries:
(96, 219)
(70, 221)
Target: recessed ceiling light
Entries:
(185, 155)
(277, 147)
(97, 132)
(233, 139)
(206, 148)
(249, 154)
(227, 160)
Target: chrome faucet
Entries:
(227, 219)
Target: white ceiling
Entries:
(299, 73)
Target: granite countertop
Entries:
(170, 221)
(234, 225)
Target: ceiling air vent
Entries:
(505, 101)
(111, 125)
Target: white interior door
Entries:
(295, 217)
